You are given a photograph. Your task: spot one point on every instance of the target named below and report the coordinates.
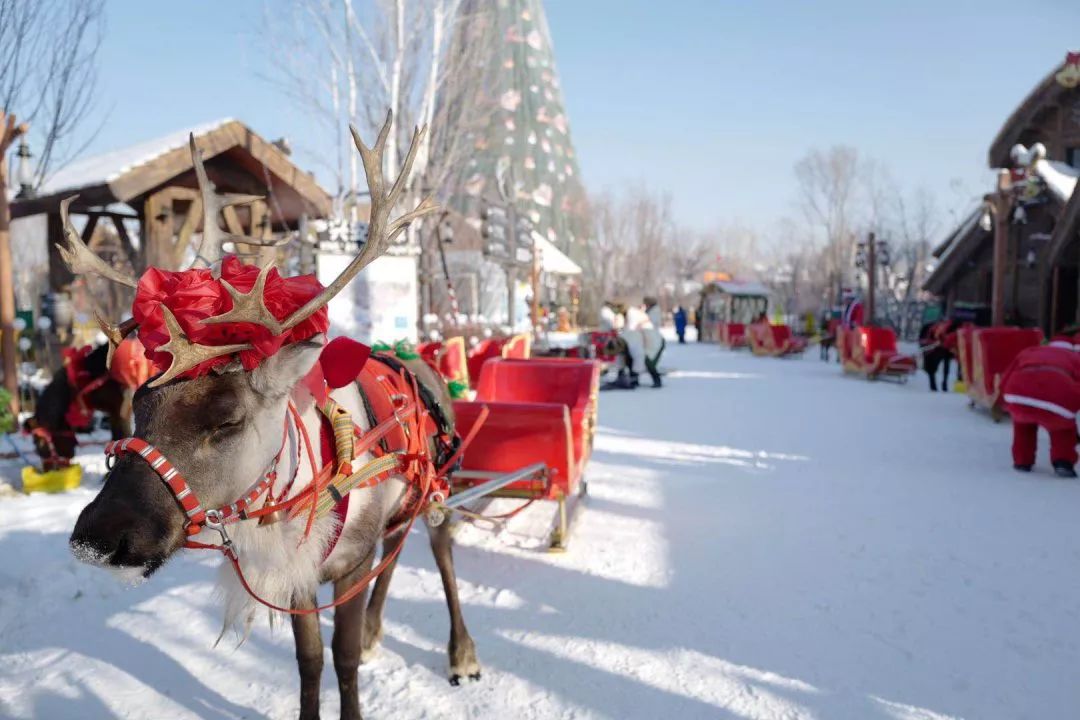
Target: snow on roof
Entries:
(1059, 177)
(957, 238)
(106, 167)
(552, 259)
(741, 287)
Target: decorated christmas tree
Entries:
(527, 134)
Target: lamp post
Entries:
(24, 173)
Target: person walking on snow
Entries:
(1041, 388)
(607, 318)
(680, 324)
(652, 342)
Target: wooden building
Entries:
(1017, 253)
(149, 190)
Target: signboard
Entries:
(716, 276)
(379, 304)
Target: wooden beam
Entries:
(59, 275)
(191, 220)
(1055, 288)
(157, 240)
(125, 242)
(232, 221)
(1000, 203)
(88, 231)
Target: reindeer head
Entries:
(218, 411)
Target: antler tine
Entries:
(186, 354)
(249, 306)
(213, 237)
(115, 334)
(381, 231)
(80, 259)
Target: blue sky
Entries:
(713, 101)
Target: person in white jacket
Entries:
(651, 341)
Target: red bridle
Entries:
(197, 516)
(408, 415)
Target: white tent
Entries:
(553, 260)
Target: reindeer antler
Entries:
(381, 230)
(213, 203)
(80, 259)
(186, 354)
(249, 306)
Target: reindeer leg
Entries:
(373, 615)
(348, 638)
(462, 650)
(309, 656)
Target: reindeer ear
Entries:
(281, 372)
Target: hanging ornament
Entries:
(1069, 75)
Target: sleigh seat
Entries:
(992, 351)
(774, 340)
(873, 353)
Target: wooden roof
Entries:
(955, 251)
(1024, 116)
(237, 160)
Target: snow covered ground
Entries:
(763, 539)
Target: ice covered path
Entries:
(763, 539)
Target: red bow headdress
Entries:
(209, 316)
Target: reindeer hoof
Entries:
(455, 680)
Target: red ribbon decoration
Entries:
(194, 295)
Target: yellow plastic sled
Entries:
(52, 481)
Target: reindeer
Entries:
(88, 381)
(213, 434)
(53, 435)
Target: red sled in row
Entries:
(872, 352)
(773, 340)
(541, 413)
(985, 355)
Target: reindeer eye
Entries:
(229, 426)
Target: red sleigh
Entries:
(733, 335)
(873, 353)
(516, 346)
(537, 435)
(985, 354)
(773, 340)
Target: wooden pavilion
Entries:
(151, 186)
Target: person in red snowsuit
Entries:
(1041, 388)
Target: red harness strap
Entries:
(197, 516)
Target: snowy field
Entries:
(763, 539)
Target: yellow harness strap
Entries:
(345, 478)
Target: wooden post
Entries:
(534, 306)
(1000, 204)
(8, 349)
(871, 278)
